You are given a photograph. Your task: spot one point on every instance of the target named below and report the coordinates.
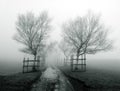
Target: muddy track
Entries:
(77, 84)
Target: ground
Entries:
(49, 77)
(18, 82)
(97, 79)
(91, 80)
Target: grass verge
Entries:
(18, 82)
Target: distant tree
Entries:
(47, 50)
(65, 48)
(32, 32)
(51, 46)
(86, 35)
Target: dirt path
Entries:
(63, 83)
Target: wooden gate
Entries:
(29, 64)
(80, 65)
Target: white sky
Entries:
(59, 11)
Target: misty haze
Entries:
(59, 45)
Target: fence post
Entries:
(27, 63)
(85, 58)
(82, 60)
(38, 62)
(85, 61)
(39, 65)
(23, 64)
(71, 62)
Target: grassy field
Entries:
(18, 82)
(97, 78)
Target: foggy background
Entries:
(60, 11)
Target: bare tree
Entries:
(46, 51)
(86, 35)
(48, 48)
(32, 32)
(65, 48)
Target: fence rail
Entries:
(76, 64)
(28, 65)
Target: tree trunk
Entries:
(34, 69)
(35, 57)
(76, 67)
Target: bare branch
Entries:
(32, 31)
(86, 34)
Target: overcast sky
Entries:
(60, 11)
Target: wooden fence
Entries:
(80, 65)
(74, 65)
(28, 65)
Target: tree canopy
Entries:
(86, 34)
(32, 31)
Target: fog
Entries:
(60, 11)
